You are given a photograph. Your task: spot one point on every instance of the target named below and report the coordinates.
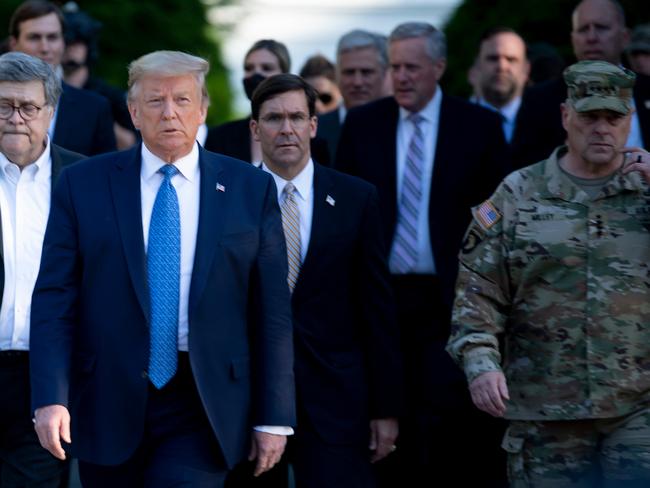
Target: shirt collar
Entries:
(42, 166)
(509, 111)
(430, 112)
(187, 166)
(303, 181)
(559, 185)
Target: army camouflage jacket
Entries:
(560, 284)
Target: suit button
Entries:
(145, 375)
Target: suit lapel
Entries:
(56, 164)
(447, 137)
(213, 208)
(322, 219)
(125, 188)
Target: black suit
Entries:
(470, 160)
(539, 121)
(22, 459)
(234, 139)
(347, 359)
(84, 122)
(329, 128)
(346, 351)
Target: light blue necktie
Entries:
(404, 255)
(163, 270)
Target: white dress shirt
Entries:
(405, 129)
(24, 208)
(187, 183)
(304, 183)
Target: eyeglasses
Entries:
(28, 111)
(297, 121)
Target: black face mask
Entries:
(251, 83)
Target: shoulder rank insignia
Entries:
(487, 215)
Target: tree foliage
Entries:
(536, 20)
(133, 28)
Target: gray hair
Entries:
(168, 63)
(436, 40)
(22, 68)
(360, 39)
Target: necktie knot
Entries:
(416, 119)
(289, 189)
(168, 170)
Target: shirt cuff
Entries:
(274, 429)
(481, 362)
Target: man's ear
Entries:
(254, 128)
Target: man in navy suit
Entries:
(147, 353)
(82, 121)
(29, 164)
(348, 369)
(431, 158)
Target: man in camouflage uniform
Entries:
(552, 315)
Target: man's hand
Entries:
(489, 391)
(383, 434)
(268, 449)
(639, 161)
(52, 423)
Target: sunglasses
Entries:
(325, 98)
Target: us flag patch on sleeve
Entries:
(487, 215)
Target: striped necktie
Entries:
(404, 255)
(291, 226)
(163, 273)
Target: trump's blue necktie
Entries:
(163, 272)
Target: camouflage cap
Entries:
(598, 85)
(640, 39)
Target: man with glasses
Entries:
(29, 164)
(346, 349)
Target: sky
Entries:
(309, 27)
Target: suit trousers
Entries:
(178, 448)
(442, 435)
(23, 462)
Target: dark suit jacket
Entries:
(470, 160)
(539, 121)
(84, 122)
(90, 308)
(234, 139)
(329, 129)
(346, 339)
(60, 157)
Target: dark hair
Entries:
(279, 84)
(83, 29)
(278, 49)
(493, 31)
(318, 65)
(33, 9)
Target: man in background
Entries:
(501, 72)
(362, 75)
(82, 120)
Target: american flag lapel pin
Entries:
(220, 187)
(330, 200)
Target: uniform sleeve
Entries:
(482, 289)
